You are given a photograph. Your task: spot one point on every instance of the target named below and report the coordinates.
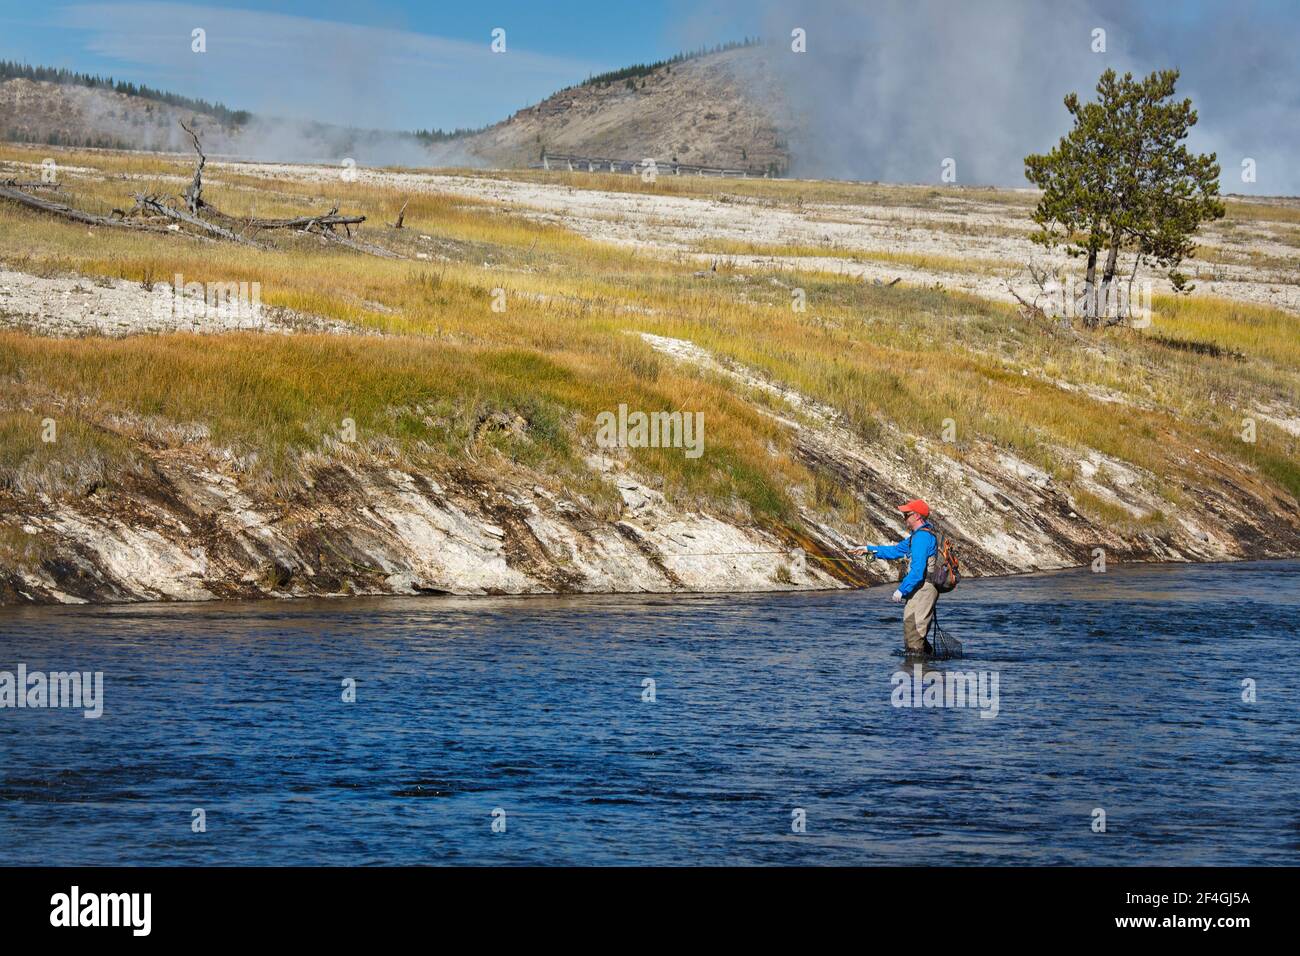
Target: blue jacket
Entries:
(918, 547)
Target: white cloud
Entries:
(334, 72)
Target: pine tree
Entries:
(1123, 179)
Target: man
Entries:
(919, 547)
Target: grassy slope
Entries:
(559, 353)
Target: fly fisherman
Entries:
(919, 547)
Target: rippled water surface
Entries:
(1120, 691)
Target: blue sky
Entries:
(887, 89)
(388, 63)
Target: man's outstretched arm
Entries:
(888, 552)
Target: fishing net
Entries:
(946, 647)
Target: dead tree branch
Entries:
(24, 184)
(1042, 278)
(401, 215)
(154, 206)
(1031, 308)
(308, 223)
(328, 220)
(194, 194)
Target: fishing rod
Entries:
(721, 554)
(725, 554)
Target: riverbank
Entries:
(431, 423)
(185, 524)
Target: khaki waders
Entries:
(918, 612)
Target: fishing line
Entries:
(944, 646)
(723, 554)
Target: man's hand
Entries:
(862, 549)
(898, 596)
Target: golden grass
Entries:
(1245, 210)
(918, 260)
(1258, 331)
(19, 549)
(562, 350)
(270, 398)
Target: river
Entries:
(526, 730)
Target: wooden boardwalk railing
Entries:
(598, 164)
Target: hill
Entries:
(716, 108)
(76, 114)
(719, 109)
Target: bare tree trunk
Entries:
(22, 184)
(194, 194)
(1089, 290)
(1108, 276)
(1128, 304)
(357, 245)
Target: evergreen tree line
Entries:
(56, 138)
(10, 69)
(443, 135)
(644, 69)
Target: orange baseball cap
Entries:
(916, 505)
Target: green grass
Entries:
(562, 351)
(55, 450)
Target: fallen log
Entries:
(155, 206)
(327, 221)
(358, 246)
(68, 212)
(21, 184)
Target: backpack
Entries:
(947, 564)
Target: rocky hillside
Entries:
(428, 419)
(720, 109)
(187, 523)
(33, 111)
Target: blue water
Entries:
(1120, 691)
